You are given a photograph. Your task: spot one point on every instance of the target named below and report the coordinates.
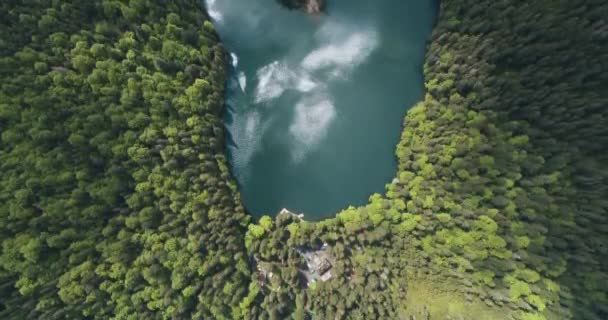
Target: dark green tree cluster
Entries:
(516, 88)
(366, 275)
(502, 182)
(115, 197)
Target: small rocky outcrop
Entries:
(309, 6)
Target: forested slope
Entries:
(500, 200)
(116, 201)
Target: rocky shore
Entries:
(309, 6)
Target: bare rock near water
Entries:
(309, 6)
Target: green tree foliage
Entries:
(116, 199)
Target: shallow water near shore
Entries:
(315, 103)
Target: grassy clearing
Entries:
(444, 301)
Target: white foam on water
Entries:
(247, 131)
(305, 83)
(338, 49)
(251, 124)
(235, 59)
(213, 11)
(313, 116)
(275, 78)
(242, 80)
(341, 56)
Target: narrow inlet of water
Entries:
(315, 104)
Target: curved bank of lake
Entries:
(315, 103)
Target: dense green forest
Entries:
(116, 200)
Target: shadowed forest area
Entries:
(116, 200)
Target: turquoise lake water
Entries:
(315, 104)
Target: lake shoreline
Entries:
(296, 105)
